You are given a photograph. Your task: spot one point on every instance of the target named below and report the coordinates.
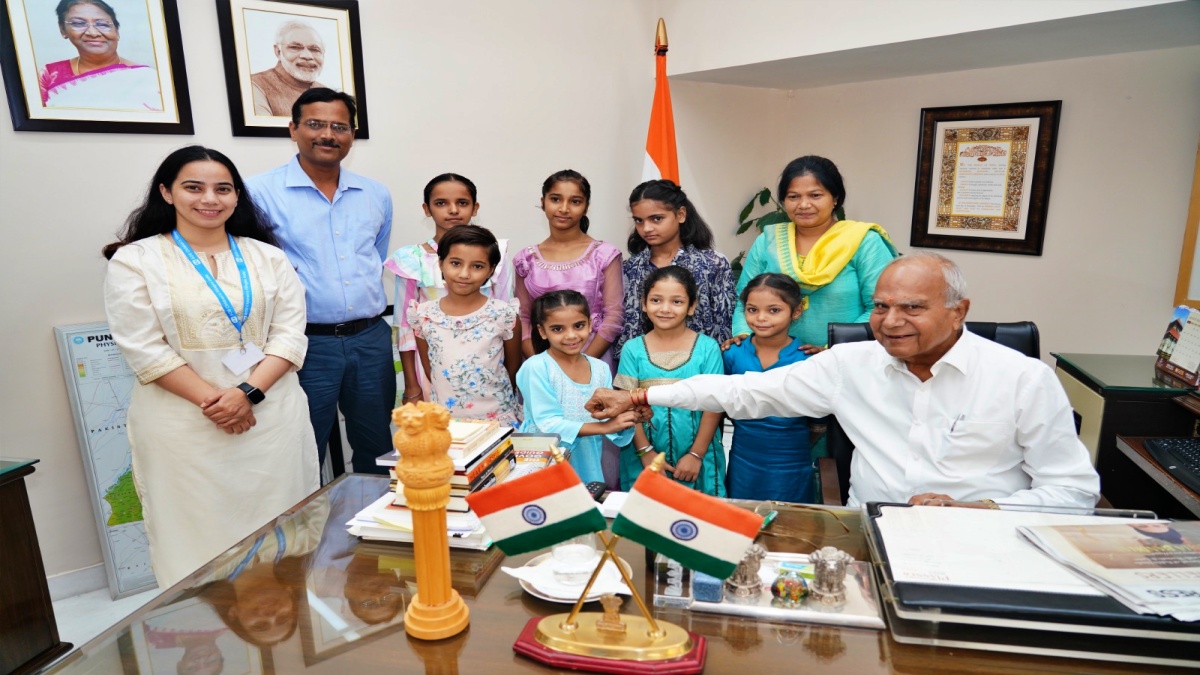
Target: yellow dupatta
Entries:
(828, 256)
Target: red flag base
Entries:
(529, 645)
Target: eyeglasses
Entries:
(319, 125)
(99, 24)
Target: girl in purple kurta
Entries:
(570, 259)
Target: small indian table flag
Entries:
(698, 531)
(538, 510)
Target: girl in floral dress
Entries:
(469, 344)
(450, 201)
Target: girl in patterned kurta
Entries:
(669, 352)
(470, 344)
(668, 230)
(770, 457)
(558, 381)
(569, 258)
(450, 201)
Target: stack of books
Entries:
(484, 454)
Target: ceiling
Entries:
(1132, 30)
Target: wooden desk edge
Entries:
(1134, 449)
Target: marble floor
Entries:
(82, 617)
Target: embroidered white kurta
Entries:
(203, 490)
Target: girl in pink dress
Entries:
(570, 259)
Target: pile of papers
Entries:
(385, 521)
(1151, 567)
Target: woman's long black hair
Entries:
(156, 216)
(693, 231)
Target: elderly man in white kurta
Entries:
(935, 412)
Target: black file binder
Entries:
(1092, 619)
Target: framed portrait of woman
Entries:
(94, 66)
(276, 49)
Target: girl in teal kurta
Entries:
(835, 262)
(670, 351)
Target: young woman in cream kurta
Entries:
(207, 480)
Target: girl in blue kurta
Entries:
(770, 457)
(836, 262)
(559, 379)
(667, 352)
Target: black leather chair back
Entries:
(1019, 335)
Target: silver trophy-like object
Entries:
(745, 582)
(829, 576)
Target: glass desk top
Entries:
(10, 464)
(330, 603)
(1129, 372)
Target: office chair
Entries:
(835, 469)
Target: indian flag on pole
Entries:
(661, 158)
(701, 532)
(537, 510)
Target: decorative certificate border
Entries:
(983, 177)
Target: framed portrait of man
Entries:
(276, 49)
(94, 66)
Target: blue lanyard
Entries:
(281, 548)
(247, 292)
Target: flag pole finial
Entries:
(660, 38)
(657, 464)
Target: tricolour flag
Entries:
(661, 158)
(701, 532)
(538, 510)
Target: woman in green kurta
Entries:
(835, 262)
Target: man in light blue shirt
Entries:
(335, 226)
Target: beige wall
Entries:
(503, 96)
(1119, 198)
(1118, 203)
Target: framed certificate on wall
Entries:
(983, 177)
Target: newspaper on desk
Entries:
(1152, 567)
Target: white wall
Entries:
(753, 31)
(1118, 202)
(505, 94)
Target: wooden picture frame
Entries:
(261, 80)
(983, 177)
(145, 92)
(1187, 284)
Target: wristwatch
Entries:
(253, 393)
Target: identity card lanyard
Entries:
(247, 293)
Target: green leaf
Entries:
(736, 263)
(746, 212)
(764, 196)
(840, 213)
(746, 225)
(773, 218)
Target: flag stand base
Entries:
(587, 648)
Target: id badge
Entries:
(238, 361)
